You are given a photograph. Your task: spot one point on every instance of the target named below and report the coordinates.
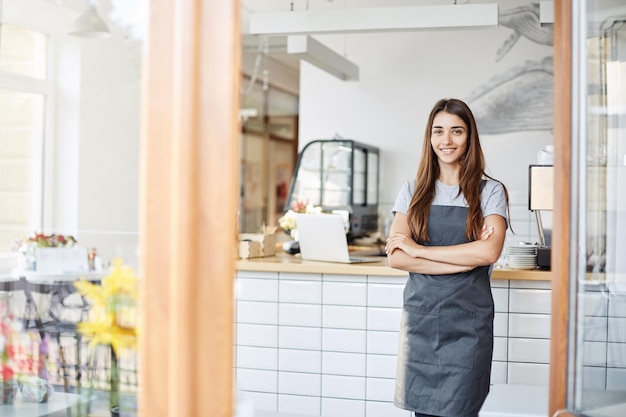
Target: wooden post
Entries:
(188, 207)
(562, 197)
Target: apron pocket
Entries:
(446, 338)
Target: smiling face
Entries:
(448, 138)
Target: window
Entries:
(269, 145)
(23, 92)
(23, 52)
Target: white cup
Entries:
(546, 155)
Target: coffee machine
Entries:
(541, 198)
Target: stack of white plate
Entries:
(522, 256)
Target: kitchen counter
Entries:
(284, 262)
(323, 337)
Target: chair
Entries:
(65, 310)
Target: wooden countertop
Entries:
(284, 262)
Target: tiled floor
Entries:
(506, 400)
(275, 414)
(503, 401)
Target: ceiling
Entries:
(277, 55)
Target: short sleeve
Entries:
(404, 198)
(493, 200)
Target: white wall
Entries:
(109, 157)
(402, 75)
(97, 143)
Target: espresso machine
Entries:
(541, 198)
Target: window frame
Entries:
(43, 150)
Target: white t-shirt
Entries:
(492, 198)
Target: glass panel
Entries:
(283, 128)
(600, 343)
(21, 138)
(281, 103)
(252, 174)
(22, 51)
(336, 178)
(252, 108)
(269, 144)
(360, 176)
(281, 169)
(308, 179)
(372, 178)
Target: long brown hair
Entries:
(472, 173)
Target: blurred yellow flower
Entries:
(113, 314)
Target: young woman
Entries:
(448, 229)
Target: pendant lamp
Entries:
(90, 25)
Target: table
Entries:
(57, 405)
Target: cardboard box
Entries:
(249, 249)
(266, 241)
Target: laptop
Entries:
(322, 237)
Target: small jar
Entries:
(546, 155)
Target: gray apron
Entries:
(446, 332)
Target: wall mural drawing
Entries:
(521, 98)
(524, 21)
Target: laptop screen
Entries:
(322, 237)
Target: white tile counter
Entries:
(324, 344)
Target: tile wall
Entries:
(521, 352)
(326, 344)
(604, 338)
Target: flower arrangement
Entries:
(9, 328)
(288, 221)
(42, 240)
(22, 361)
(27, 246)
(112, 319)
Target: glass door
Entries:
(598, 356)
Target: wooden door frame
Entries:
(561, 308)
(189, 181)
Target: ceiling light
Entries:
(318, 54)
(381, 19)
(90, 25)
(295, 48)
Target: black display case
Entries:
(339, 175)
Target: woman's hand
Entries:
(404, 243)
(485, 232)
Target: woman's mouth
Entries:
(447, 151)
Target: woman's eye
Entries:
(437, 132)
(457, 131)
